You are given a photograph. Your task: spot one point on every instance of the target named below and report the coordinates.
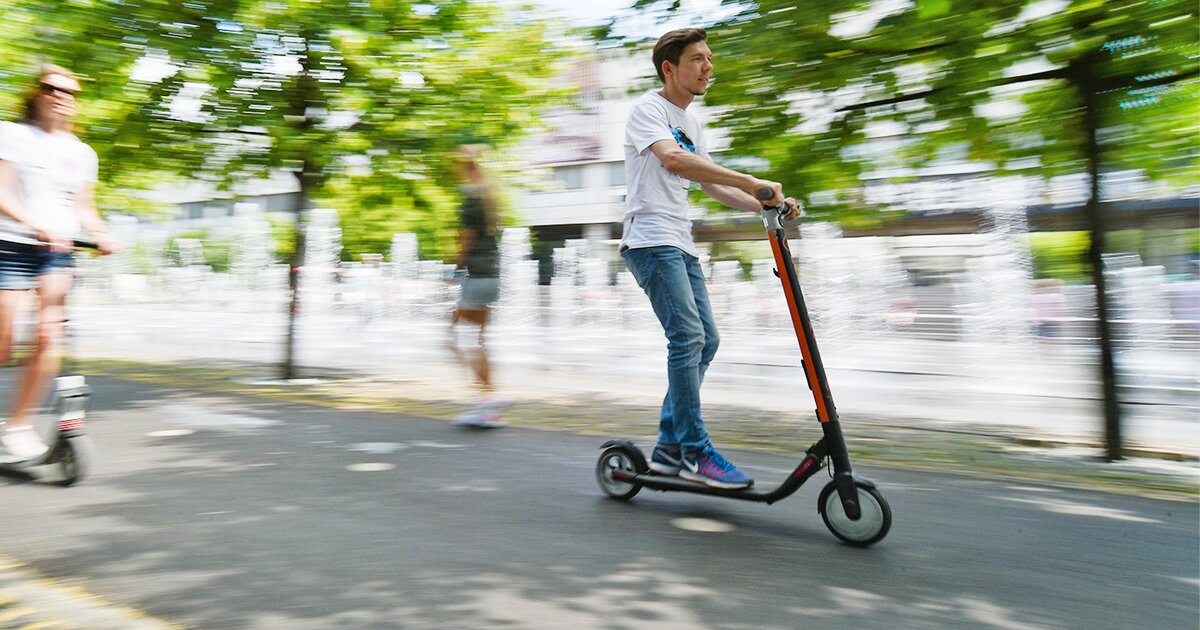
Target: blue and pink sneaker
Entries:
(712, 469)
(665, 461)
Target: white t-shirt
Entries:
(51, 170)
(656, 201)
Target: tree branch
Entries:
(1114, 83)
(1057, 73)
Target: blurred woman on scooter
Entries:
(47, 179)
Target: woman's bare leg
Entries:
(43, 364)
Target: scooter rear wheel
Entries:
(616, 458)
(871, 526)
(75, 459)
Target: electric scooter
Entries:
(70, 447)
(851, 506)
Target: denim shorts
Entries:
(478, 293)
(21, 265)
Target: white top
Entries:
(51, 170)
(656, 203)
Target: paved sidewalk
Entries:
(1040, 395)
(31, 601)
(558, 401)
(222, 500)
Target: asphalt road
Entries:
(251, 514)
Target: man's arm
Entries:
(704, 171)
(734, 189)
(736, 198)
(732, 197)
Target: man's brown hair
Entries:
(670, 46)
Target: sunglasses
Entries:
(48, 88)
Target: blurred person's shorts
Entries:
(478, 293)
(21, 265)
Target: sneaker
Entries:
(713, 470)
(665, 461)
(480, 417)
(23, 442)
(494, 404)
(491, 421)
(469, 419)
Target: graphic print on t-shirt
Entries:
(683, 140)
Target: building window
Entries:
(616, 174)
(571, 177)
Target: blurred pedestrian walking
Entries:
(478, 264)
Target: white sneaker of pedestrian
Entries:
(22, 442)
(471, 418)
(494, 404)
(484, 415)
(491, 421)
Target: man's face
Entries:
(694, 69)
(56, 96)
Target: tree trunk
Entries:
(1086, 86)
(297, 261)
(304, 96)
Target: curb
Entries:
(30, 600)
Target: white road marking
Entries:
(370, 467)
(703, 525)
(170, 433)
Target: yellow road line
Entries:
(10, 614)
(44, 603)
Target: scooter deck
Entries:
(669, 483)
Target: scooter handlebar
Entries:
(764, 193)
(76, 243)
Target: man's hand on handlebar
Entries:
(764, 187)
(794, 209)
(770, 194)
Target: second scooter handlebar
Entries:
(76, 243)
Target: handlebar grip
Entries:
(764, 193)
(76, 243)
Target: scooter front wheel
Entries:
(75, 459)
(613, 459)
(870, 527)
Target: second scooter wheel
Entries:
(75, 459)
(617, 458)
(870, 527)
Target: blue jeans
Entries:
(674, 282)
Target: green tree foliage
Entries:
(360, 99)
(805, 85)
(1095, 86)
